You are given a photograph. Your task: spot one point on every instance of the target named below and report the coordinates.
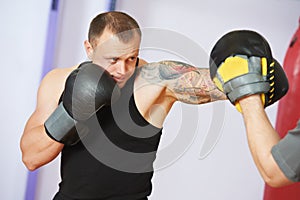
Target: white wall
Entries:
(22, 39)
(228, 171)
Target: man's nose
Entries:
(122, 68)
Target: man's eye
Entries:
(132, 58)
(114, 60)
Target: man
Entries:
(108, 134)
(244, 69)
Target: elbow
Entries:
(27, 158)
(277, 183)
(272, 174)
(31, 167)
(29, 163)
(273, 182)
(277, 179)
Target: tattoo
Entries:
(187, 83)
(150, 73)
(175, 69)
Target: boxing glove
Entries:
(241, 64)
(87, 89)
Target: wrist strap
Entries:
(61, 127)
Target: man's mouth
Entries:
(118, 79)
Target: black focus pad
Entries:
(241, 64)
(279, 84)
(240, 42)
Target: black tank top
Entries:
(115, 160)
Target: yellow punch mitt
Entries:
(241, 64)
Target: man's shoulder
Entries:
(59, 74)
(142, 62)
(61, 71)
(54, 81)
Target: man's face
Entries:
(118, 58)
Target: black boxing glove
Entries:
(87, 89)
(241, 64)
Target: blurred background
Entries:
(37, 36)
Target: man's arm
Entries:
(37, 147)
(261, 138)
(183, 82)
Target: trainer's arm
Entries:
(261, 138)
(183, 82)
(37, 147)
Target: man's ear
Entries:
(88, 49)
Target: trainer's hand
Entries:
(241, 64)
(87, 89)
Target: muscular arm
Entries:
(183, 82)
(37, 147)
(261, 138)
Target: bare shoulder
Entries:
(58, 74)
(48, 95)
(149, 73)
(142, 62)
(52, 84)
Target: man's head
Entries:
(113, 43)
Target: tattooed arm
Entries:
(183, 82)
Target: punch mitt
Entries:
(241, 64)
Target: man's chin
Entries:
(121, 84)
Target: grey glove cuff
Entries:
(245, 85)
(61, 127)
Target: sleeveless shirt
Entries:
(114, 161)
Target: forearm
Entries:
(261, 138)
(183, 82)
(196, 87)
(192, 84)
(38, 148)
